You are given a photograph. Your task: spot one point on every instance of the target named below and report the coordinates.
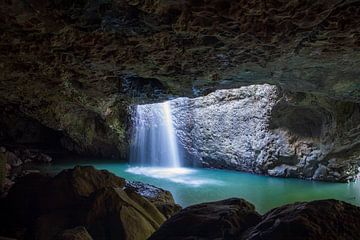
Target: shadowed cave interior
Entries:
(213, 119)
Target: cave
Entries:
(216, 119)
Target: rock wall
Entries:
(2, 171)
(264, 130)
(75, 67)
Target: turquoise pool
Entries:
(195, 185)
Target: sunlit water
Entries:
(190, 186)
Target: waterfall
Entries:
(154, 140)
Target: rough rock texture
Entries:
(324, 219)
(161, 198)
(224, 219)
(2, 171)
(12, 163)
(236, 219)
(78, 233)
(264, 130)
(43, 207)
(75, 66)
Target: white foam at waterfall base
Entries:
(185, 176)
(155, 147)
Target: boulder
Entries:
(43, 207)
(236, 219)
(116, 214)
(224, 219)
(77, 184)
(161, 198)
(316, 220)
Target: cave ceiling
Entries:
(190, 47)
(76, 66)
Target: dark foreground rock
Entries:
(13, 162)
(324, 219)
(78, 233)
(224, 219)
(237, 219)
(43, 207)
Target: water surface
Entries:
(195, 185)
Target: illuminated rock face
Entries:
(259, 129)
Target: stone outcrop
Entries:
(215, 220)
(12, 161)
(237, 219)
(161, 198)
(43, 207)
(75, 67)
(265, 130)
(323, 219)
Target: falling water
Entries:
(154, 140)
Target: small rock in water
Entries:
(162, 199)
(44, 158)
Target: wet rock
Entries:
(161, 198)
(77, 233)
(323, 219)
(225, 219)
